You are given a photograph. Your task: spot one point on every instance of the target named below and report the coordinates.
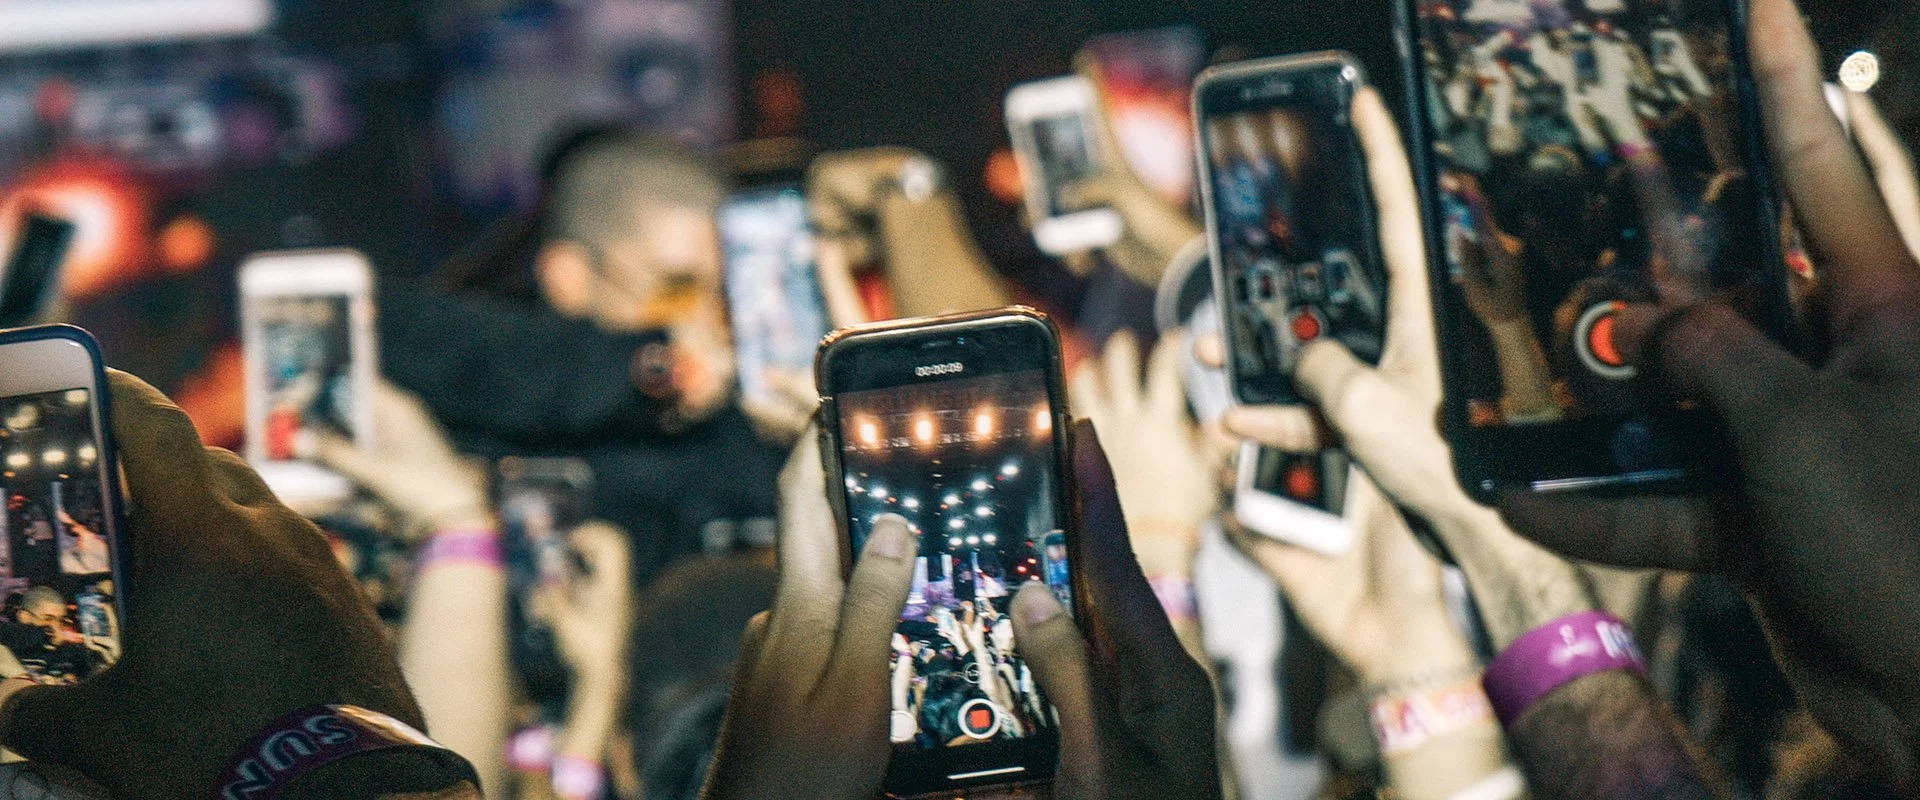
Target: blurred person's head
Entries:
(629, 240)
(42, 608)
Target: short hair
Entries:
(41, 595)
(599, 183)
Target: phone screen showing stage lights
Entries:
(56, 551)
(969, 463)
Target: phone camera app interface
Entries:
(969, 464)
(309, 374)
(1063, 146)
(59, 624)
(1570, 141)
(1297, 248)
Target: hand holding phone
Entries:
(244, 642)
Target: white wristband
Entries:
(1505, 783)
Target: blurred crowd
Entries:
(578, 555)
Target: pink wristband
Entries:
(1554, 654)
(576, 778)
(1175, 593)
(480, 546)
(306, 740)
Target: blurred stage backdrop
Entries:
(181, 135)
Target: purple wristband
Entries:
(1556, 653)
(306, 740)
(475, 546)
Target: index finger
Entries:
(807, 602)
(1848, 229)
(1410, 353)
(165, 464)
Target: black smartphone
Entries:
(34, 268)
(1538, 129)
(774, 299)
(61, 537)
(539, 500)
(958, 424)
(1290, 217)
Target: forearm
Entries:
(932, 259)
(1607, 735)
(1516, 585)
(1447, 764)
(454, 654)
(592, 712)
(1526, 385)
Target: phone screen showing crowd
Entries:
(969, 464)
(59, 623)
(308, 365)
(1579, 150)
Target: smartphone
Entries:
(1536, 235)
(958, 424)
(774, 298)
(33, 269)
(1145, 80)
(1052, 124)
(306, 332)
(62, 552)
(1297, 498)
(1290, 218)
(539, 500)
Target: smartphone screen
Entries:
(539, 500)
(1547, 128)
(960, 441)
(309, 370)
(60, 622)
(1318, 480)
(773, 286)
(1290, 216)
(1063, 150)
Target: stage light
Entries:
(923, 429)
(981, 485)
(86, 454)
(983, 423)
(1010, 470)
(877, 492)
(983, 511)
(953, 542)
(956, 523)
(852, 485)
(18, 459)
(973, 541)
(912, 503)
(1043, 421)
(990, 538)
(1860, 71)
(869, 434)
(76, 397)
(54, 457)
(952, 499)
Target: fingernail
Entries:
(891, 538)
(1036, 604)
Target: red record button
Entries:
(1600, 340)
(1306, 326)
(1593, 341)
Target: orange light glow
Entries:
(1043, 421)
(983, 423)
(923, 430)
(869, 434)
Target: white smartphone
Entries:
(1052, 124)
(306, 329)
(60, 532)
(1297, 498)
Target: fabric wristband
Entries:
(576, 778)
(1557, 653)
(1404, 721)
(306, 740)
(479, 546)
